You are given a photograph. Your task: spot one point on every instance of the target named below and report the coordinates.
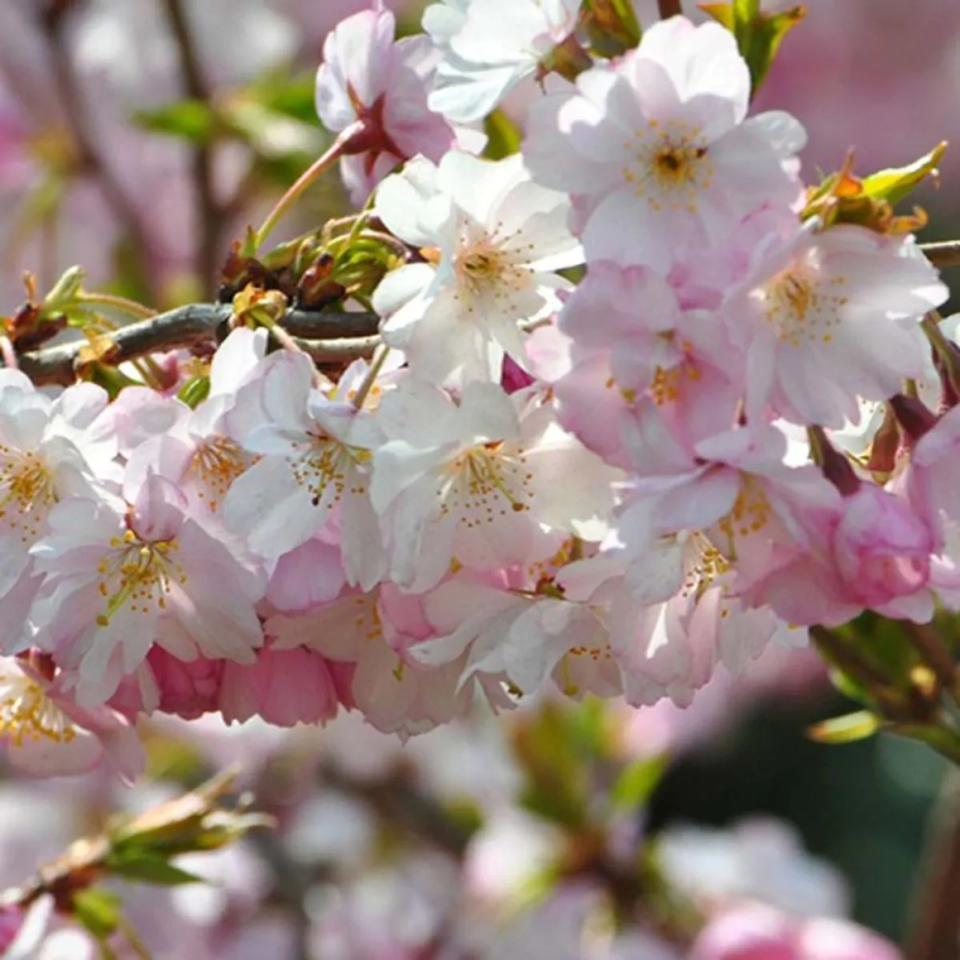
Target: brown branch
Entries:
(81, 131)
(338, 351)
(669, 8)
(945, 254)
(325, 336)
(936, 929)
(210, 213)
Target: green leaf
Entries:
(144, 865)
(191, 120)
(846, 729)
(896, 183)
(98, 910)
(293, 96)
(503, 136)
(195, 391)
(553, 761)
(759, 34)
(637, 782)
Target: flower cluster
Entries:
(637, 413)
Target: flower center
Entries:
(328, 469)
(803, 308)
(705, 564)
(668, 165)
(26, 492)
(487, 483)
(216, 464)
(366, 617)
(138, 574)
(490, 265)
(668, 384)
(750, 514)
(27, 712)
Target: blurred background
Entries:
(138, 138)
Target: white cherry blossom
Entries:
(490, 481)
(312, 469)
(491, 240)
(489, 46)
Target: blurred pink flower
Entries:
(755, 932)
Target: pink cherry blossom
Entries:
(656, 150)
(368, 77)
(758, 933)
(803, 317)
(284, 687)
(118, 578)
(47, 734)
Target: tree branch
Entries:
(936, 932)
(325, 336)
(945, 254)
(82, 133)
(209, 211)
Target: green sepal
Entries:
(612, 26)
(97, 910)
(896, 183)
(195, 391)
(503, 136)
(758, 33)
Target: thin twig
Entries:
(305, 181)
(936, 929)
(945, 254)
(209, 210)
(338, 351)
(325, 336)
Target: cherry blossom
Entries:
(656, 149)
(368, 78)
(756, 931)
(488, 47)
(119, 577)
(49, 449)
(312, 470)
(47, 734)
(491, 240)
(804, 319)
(475, 482)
